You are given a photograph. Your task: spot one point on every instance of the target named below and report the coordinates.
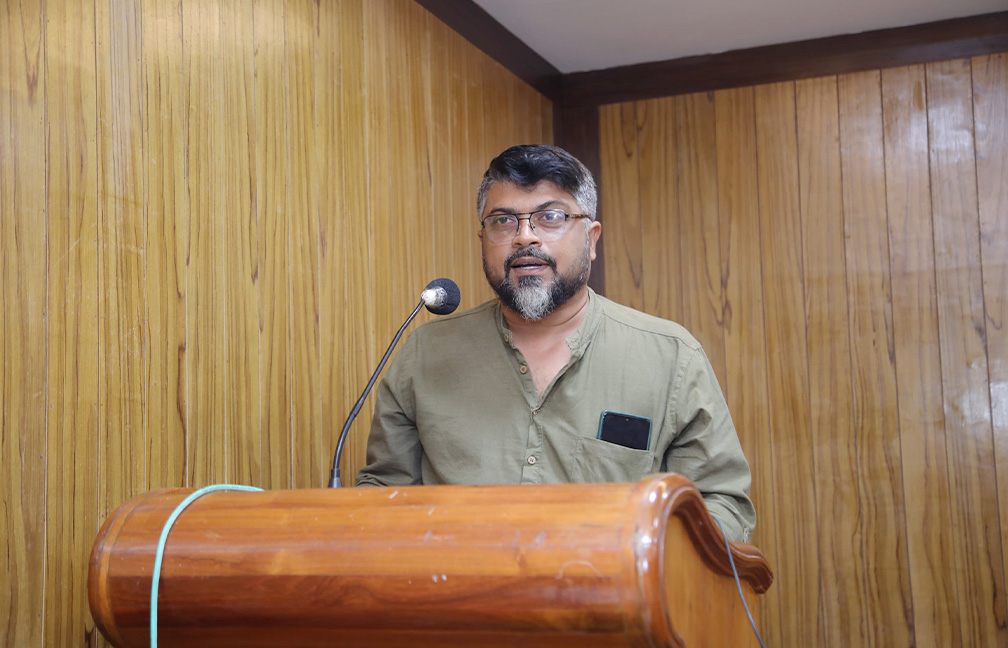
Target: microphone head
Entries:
(441, 296)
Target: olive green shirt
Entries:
(458, 406)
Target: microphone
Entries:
(440, 297)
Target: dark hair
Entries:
(526, 165)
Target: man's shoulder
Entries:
(478, 318)
(633, 322)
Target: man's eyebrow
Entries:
(541, 206)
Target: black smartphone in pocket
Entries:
(625, 429)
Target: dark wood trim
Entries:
(577, 130)
(936, 41)
(474, 24)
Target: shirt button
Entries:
(535, 412)
(523, 369)
(532, 460)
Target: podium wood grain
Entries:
(633, 564)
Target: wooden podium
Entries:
(628, 564)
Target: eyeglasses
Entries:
(547, 224)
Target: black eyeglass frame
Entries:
(528, 217)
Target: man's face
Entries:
(533, 277)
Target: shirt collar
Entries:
(577, 341)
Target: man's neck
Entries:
(560, 323)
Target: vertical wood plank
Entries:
(699, 248)
(621, 201)
(335, 346)
(546, 106)
(274, 266)
(303, 218)
(376, 52)
(843, 618)
(447, 112)
(121, 255)
(496, 120)
(990, 108)
(205, 290)
(240, 259)
(72, 457)
(165, 276)
(411, 220)
(531, 113)
(358, 345)
(930, 528)
(981, 584)
(661, 272)
(481, 152)
(744, 333)
(887, 583)
(786, 349)
(455, 221)
(23, 330)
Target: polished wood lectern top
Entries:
(627, 564)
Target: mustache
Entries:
(532, 252)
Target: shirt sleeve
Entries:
(393, 449)
(706, 448)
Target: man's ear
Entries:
(594, 232)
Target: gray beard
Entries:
(531, 298)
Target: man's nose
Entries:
(526, 235)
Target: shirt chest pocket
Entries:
(600, 461)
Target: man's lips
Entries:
(528, 262)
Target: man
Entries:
(515, 390)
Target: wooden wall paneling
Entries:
(23, 330)
(446, 109)
(990, 108)
(497, 129)
(165, 247)
(659, 210)
(981, 582)
(274, 255)
(241, 246)
(411, 218)
(380, 217)
(744, 332)
(547, 108)
(510, 112)
(121, 255)
(530, 113)
(377, 80)
(578, 131)
(843, 618)
(699, 247)
(335, 347)
(797, 565)
(930, 527)
(457, 251)
(621, 200)
(300, 25)
(357, 347)
(876, 421)
(481, 152)
(72, 440)
(207, 441)
(469, 160)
